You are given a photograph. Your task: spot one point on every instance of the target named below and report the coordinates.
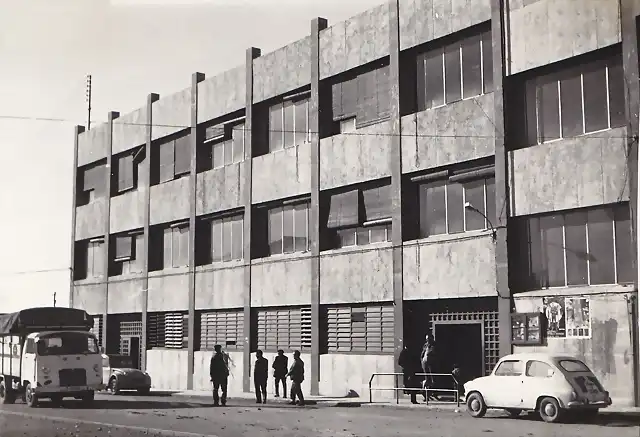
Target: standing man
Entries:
(260, 375)
(426, 359)
(408, 366)
(296, 373)
(219, 372)
(280, 368)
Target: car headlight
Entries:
(46, 370)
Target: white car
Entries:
(548, 384)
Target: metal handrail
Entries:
(396, 389)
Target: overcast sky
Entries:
(131, 48)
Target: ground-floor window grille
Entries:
(167, 330)
(362, 328)
(225, 328)
(288, 329)
(97, 328)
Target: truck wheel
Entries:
(7, 396)
(88, 397)
(30, 397)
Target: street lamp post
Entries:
(470, 207)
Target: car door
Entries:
(537, 379)
(505, 385)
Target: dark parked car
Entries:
(119, 374)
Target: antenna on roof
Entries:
(88, 98)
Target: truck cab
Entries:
(49, 357)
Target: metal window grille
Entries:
(221, 327)
(288, 329)
(167, 330)
(360, 329)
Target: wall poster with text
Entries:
(578, 317)
(554, 311)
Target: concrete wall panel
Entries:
(608, 351)
(355, 157)
(453, 268)
(282, 174)
(201, 378)
(127, 211)
(89, 297)
(343, 374)
(425, 20)
(92, 144)
(220, 287)
(547, 31)
(354, 42)
(281, 282)
(356, 276)
(171, 114)
(169, 201)
(125, 296)
(220, 189)
(541, 181)
(282, 71)
(458, 132)
(222, 94)
(167, 369)
(90, 219)
(129, 131)
(168, 290)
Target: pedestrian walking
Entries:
(409, 378)
(280, 369)
(296, 373)
(426, 359)
(260, 376)
(459, 377)
(219, 372)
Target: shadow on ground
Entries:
(613, 420)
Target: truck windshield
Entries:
(67, 343)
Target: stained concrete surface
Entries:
(242, 417)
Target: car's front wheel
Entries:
(550, 410)
(475, 405)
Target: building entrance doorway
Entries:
(462, 343)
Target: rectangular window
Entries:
(167, 160)
(288, 329)
(125, 172)
(176, 246)
(225, 328)
(487, 62)
(589, 246)
(289, 124)
(167, 330)
(453, 75)
(92, 183)
(442, 203)
(289, 229)
(360, 328)
(95, 258)
(434, 81)
(123, 248)
(226, 145)
(576, 101)
(472, 67)
(363, 235)
(227, 239)
(183, 155)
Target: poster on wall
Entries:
(554, 311)
(578, 317)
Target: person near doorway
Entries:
(427, 358)
(409, 378)
(459, 378)
(219, 372)
(280, 368)
(296, 373)
(260, 376)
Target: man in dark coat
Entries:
(219, 372)
(296, 373)
(280, 368)
(408, 363)
(260, 375)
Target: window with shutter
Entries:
(225, 328)
(343, 210)
(125, 173)
(288, 329)
(166, 153)
(182, 155)
(123, 247)
(377, 202)
(360, 329)
(167, 330)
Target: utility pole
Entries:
(88, 97)
(54, 298)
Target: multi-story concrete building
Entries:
(461, 167)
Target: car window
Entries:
(574, 366)
(538, 369)
(509, 368)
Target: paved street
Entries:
(119, 416)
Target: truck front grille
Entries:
(72, 377)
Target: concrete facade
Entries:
(240, 291)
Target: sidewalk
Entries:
(403, 403)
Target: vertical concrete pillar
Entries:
(196, 78)
(107, 223)
(74, 188)
(251, 54)
(629, 10)
(317, 25)
(146, 186)
(395, 160)
(501, 178)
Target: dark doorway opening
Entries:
(461, 344)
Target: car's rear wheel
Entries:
(113, 386)
(513, 412)
(550, 410)
(7, 396)
(475, 405)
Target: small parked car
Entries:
(548, 384)
(119, 374)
